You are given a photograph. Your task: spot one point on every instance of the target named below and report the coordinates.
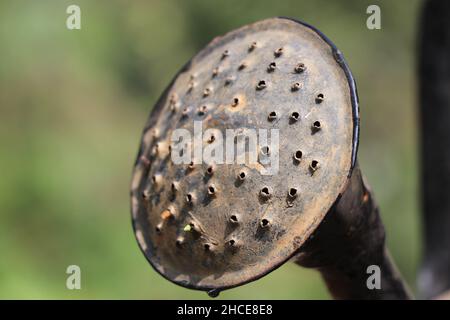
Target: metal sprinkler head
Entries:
(229, 223)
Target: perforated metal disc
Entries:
(215, 227)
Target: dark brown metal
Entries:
(248, 225)
(434, 82)
(351, 238)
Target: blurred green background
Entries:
(73, 104)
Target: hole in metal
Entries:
(265, 223)
(261, 85)
(278, 52)
(191, 86)
(252, 46)
(242, 66)
(319, 98)
(265, 150)
(298, 155)
(314, 165)
(229, 81)
(292, 192)
(299, 68)
(265, 192)
(272, 116)
(210, 170)
(155, 150)
(206, 92)
(179, 242)
(317, 126)
(169, 213)
(202, 110)
(272, 66)
(211, 190)
(225, 54)
(295, 116)
(296, 86)
(189, 227)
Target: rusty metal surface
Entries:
(349, 239)
(275, 73)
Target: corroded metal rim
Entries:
(355, 116)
